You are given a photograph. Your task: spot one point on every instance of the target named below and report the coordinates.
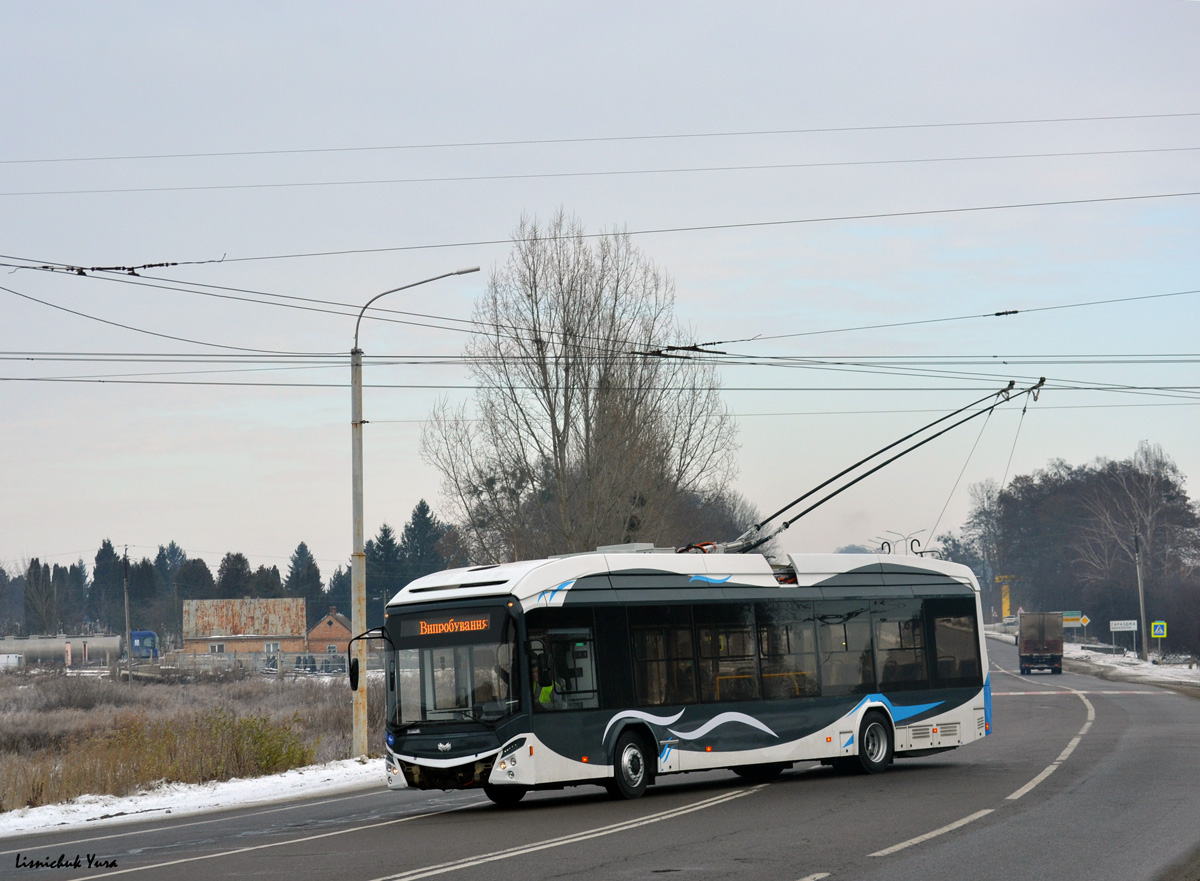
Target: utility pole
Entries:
(1137, 556)
(128, 631)
(358, 557)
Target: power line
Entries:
(166, 336)
(602, 139)
(712, 227)
(556, 175)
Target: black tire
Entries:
(631, 771)
(875, 744)
(764, 773)
(504, 796)
(846, 765)
(1024, 671)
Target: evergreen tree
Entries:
(194, 581)
(106, 597)
(304, 580)
(167, 562)
(70, 585)
(265, 583)
(385, 573)
(419, 552)
(41, 602)
(233, 577)
(338, 594)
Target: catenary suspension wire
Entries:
(606, 138)
(556, 175)
(755, 224)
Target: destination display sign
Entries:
(442, 625)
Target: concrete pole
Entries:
(128, 630)
(358, 559)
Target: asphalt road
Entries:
(1082, 778)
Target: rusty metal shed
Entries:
(245, 625)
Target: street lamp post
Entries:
(358, 559)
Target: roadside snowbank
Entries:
(178, 799)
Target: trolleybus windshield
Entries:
(452, 666)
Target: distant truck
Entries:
(1040, 641)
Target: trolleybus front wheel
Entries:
(504, 796)
(630, 772)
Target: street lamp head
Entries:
(404, 288)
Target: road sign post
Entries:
(1124, 626)
(1158, 630)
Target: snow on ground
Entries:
(178, 799)
(1123, 665)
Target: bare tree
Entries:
(589, 427)
(1142, 496)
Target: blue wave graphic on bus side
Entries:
(644, 717)
(709, 579)
(899, 713)
(722, 719)
(549, 595)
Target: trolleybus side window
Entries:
(844, 637)
(562, 651)
(787, 640)
(664, 666)
(900, 654)
(956, 641)
(728, 660)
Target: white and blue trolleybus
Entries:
(620, 666)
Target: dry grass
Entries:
(66, 736)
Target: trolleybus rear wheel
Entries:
(875, 743)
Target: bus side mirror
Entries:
(354, 674)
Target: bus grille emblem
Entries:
(444, 747)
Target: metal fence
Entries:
(274, 663)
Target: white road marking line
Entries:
(817, 877)
(481, 859)
(1070, 748)
(226, 853)
(1067, 693)
(957, 824)
(1028, 787)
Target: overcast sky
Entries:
(835, 180)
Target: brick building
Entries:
(330, 635)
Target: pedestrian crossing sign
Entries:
(1158, 629)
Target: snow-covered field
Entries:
(181, 800)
